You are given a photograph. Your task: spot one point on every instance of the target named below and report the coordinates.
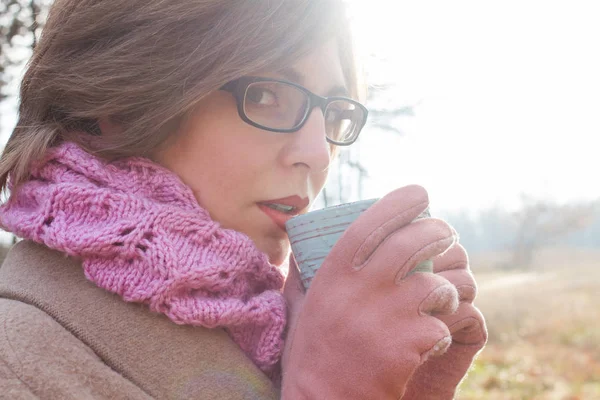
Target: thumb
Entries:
(294, 294)
(293, 289)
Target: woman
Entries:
(160, 149)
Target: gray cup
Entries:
(314, 234)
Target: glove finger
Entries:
(464, 282)
(373, 226)
(402, 251)
(455, 258)
(426, 336)
(466, 325)
(424, 294)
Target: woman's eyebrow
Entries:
(339, 90)
(293, 75)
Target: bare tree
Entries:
(20, 25)
(350, 175)
(541, 222)
(385, 112)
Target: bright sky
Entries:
(509, 95)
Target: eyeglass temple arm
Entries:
(229, 86)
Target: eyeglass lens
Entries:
(277, 105)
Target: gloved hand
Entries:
(439, 377)
(365, 324)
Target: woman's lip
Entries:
(278, 217)
(299, 203)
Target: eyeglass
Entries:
(282, 106)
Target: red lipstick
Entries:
(282, 210)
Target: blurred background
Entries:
(494, 107)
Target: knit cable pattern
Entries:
(141, 234)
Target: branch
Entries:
(386, 127)
(406, 111)
(35, 11)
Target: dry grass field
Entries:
(544, 329)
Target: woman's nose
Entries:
(309, 145)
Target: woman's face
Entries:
(234, 168)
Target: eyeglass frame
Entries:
(238, 88)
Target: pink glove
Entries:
(439, 377)
(365, 325)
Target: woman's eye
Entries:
(333, 115)
(261, 96)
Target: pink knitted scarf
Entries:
(140, 233)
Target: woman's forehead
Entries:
(320, 71)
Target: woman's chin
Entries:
(277, 250)
(279, 258)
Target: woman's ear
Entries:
(109, 127)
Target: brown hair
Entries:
(144, 63)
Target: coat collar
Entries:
(164, 359)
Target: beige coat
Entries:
(61, 337)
